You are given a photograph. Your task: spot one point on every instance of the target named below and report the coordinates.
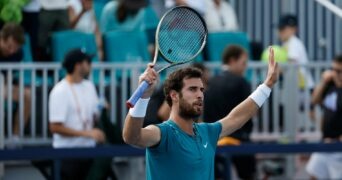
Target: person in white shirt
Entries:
(220, 16)
(295, 48)
(198, 5)
(72, 110)
(82, 18)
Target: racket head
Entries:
(181, 35)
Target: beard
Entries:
(190, 111)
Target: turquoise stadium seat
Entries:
(64, 41)
(126, 46)
(27, 49)
(27, 58)
(98, 7)
(218, 41)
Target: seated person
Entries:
(12, 39)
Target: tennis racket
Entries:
(181, 35)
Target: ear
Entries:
(174, 96)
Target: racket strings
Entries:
(181, 35)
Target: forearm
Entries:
(239, 116)
(134, 122)
(65, 131)
(317, 93)
(132, 129)
(73, 18)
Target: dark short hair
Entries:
(13, 30)
(338, 58)
(232, 52)
(175, 81)
(74, 57)
(199, 65)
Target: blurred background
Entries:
(37, 34)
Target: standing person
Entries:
(220, 16)
(72, 111)
(82, 18)
(179, 144)
(53, 17)
(297, 54)
(198, 5)
(296, 51)
(225, 91)
(328, 94)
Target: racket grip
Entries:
(137, 94)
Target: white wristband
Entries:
(260, 95)
(139, 110)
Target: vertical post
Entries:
(291, 113)
(2, 132)
(228, 167)
(57, 169)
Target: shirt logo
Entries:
(205, 145)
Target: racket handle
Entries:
(137, 94)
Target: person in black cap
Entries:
(297, 54)
(72, 112)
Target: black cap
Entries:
(287, 20)
(75, 56)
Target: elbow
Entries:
(130, 139)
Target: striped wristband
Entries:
(260, 95)
(139, 110)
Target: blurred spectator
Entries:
(328, 94)
(82, 18)
(53, 17)
(297, 54)
(123, 15)
(30, 23)
(11, 40)
(198, 5)
(220, 16)
(73, 110)
(224, 92)
(288, 27)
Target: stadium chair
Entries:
(218, 41)
(64, 41)
(27, 49)
(27, 58)
(126, 46)
(98, 7)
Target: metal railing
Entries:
(319, 28)
(117, 81)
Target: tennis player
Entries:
(179, 148)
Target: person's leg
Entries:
(317, 166)
(62, 20)
(335, 165)
(72, 169)
(46, 23)
(245, 166)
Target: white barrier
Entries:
(113, 80)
